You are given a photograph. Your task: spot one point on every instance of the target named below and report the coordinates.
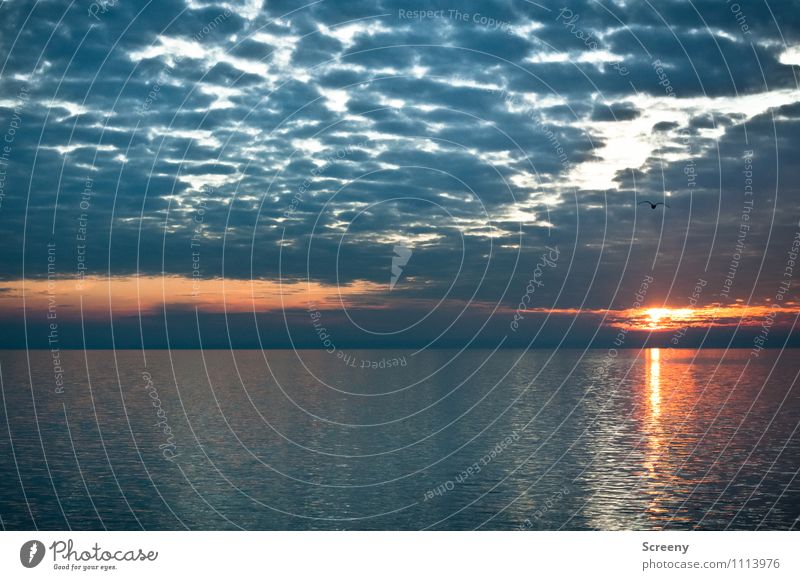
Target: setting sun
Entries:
(666, 317)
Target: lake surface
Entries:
(370, 439)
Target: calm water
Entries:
(506, 440)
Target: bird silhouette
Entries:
(653, 205)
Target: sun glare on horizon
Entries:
(658, 318)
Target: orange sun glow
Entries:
(664, 318)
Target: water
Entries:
(669, 439)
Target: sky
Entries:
(399, 174)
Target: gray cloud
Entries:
(345, 127)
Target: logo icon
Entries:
(402, 254)
(31, 553)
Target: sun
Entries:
(656, 314)
(666, 317)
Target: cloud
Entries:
(314, 138)
(790, 56)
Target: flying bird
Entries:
(653, 205)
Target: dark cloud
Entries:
(345, 128)
(615, 112)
